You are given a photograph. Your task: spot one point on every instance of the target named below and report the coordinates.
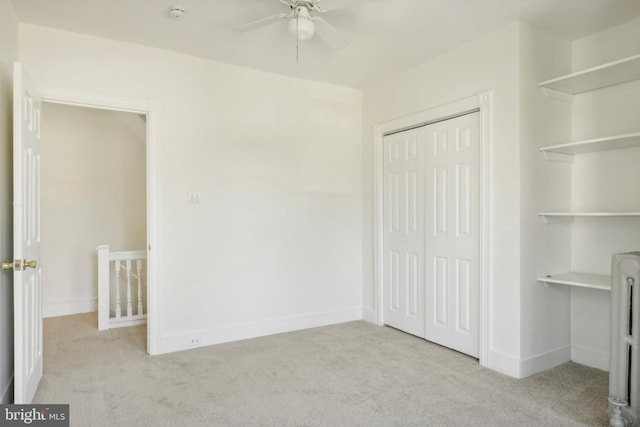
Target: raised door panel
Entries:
(403, 237)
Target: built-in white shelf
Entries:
(582, 280)
(555, 217)
(564, 88)
(609, 74)
(589, 214)
(617, 142)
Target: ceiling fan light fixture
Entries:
(301, 25)
(303, 28)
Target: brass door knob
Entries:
(29, 264)
(19, 265)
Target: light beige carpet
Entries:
(353, 374)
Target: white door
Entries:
(403, 236)
(431, 232)
(27, 275)
(452, 238)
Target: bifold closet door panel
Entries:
(403, 235)
(452, 233)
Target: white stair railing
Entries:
(130, 265)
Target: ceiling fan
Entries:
(302, 25)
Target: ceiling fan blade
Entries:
(329, 34)
(331, 5)
(260, 22)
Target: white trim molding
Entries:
(544, 361)
(483, 104)
(231, 333)
(503, 363)
(66, 308)
(369, 315)
(588, 356)
(102, 101)
(151, 110)
(153, 233)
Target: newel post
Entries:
(103, 287)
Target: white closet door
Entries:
(452, 234)
(403, 235)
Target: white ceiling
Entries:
(385, 36)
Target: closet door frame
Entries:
(481, 103)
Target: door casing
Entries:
(482, 103)
(151, 110)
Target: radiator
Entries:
(624, 364)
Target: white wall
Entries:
(608, 181)
(545, 185)
(285, 171)
(8, 54)
(93, 193)
(275, 243)
(488, 63)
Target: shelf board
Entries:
(560, 217)
(590, 214)
(594, 145)
(582, 280)
(609, 74)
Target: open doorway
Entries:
(94, 192)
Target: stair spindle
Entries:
(118, 308)
(139, 273)
(129, 308)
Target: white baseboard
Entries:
(7, 393)
(503, 363)
(199, 338)
(544, 361)
(521, 368)
(65, 308)
(369, 315)
(590, 357)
